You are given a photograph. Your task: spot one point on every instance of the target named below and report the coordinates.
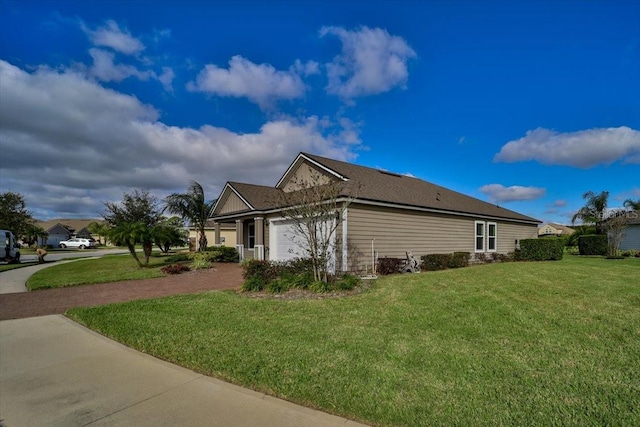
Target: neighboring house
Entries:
(227, 234)
(553, 229)
(65, 229)
(631, 238)
(390, 215)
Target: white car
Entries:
(78, 243)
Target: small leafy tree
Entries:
(14, 215)
(594, 210)
(192, 207)
(134, 220)
(614, 226)
(316, 208)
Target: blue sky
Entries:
(524, 104)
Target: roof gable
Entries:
(300, 169)
(230, 201)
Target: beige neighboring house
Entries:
(390, 215)
(553, 229)
(227, 235)
(65, 228)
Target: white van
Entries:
(11, 248)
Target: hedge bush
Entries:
(279, 277)
(459, 259)
(433, 262)
(223, 253)
(389, 265)
(541, 249)
(593, 244)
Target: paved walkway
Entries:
(54, 372)
(57, 301)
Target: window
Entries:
(252, 235)
(492, 237)
(479, 236)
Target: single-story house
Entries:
(387, 215)
(62, 229)
(553, 229)
(631, 237)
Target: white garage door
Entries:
(285, 243)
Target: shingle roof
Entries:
(382, 186)
(261, 197)
(75, 224)
(374, 185)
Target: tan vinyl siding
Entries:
(305, 173)
(233, 204)
(228, 234)
(396, 231)
(508, 233)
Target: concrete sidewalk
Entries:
(54, 372)
(14, 281)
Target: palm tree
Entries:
(192, 207)
(593, 212)
(629, 203)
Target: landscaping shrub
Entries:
(201, 260)
(174, 269)
(433, 262)
(347, 282)
(177, 258)
(388, 266)
(279, 277)
(459, 259)
(541, 249)
(263, 271)
(593, 244)
(223, 254)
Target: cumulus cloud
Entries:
(372, 61)
(498, 193)
(66, 137)
(260, 83)
(112, 36)
(583, 149)
(105, 69)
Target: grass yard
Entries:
(529, 344)
(110, 268)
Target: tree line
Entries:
(138, 219)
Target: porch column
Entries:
(240, 238)
(217, 233)
(258, 248)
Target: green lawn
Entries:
(529, 344)
(110, 268)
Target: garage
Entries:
(285, 243)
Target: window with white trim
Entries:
(492, 237)
(479, 236)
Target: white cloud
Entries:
(260, 83)
(115, 38)
(166, 78)
(106, 70)
(65, 137)
(498, 193)
(583, 149)
(307, 68)
(372, 61)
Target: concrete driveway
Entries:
(54, 372)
